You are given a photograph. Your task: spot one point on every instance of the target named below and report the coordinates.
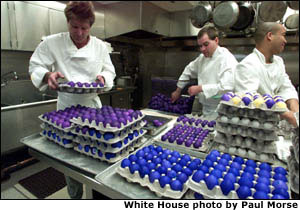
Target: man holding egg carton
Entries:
(75, 56)
(214, 70)
(264, 72)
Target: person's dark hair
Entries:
(84, 10)
(211, 32)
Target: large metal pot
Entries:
(201, 14)
(125, 81)
(292, 22)
(246, 16)
(272, 11)
(226, 14)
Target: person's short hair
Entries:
(264, 28)
(84, 10)
(211, 32)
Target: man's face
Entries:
(207, 46)
(278, 40)
(79, 30)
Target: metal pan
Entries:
(246, 16)
(292, 22)
(201, 14)
(272, 11)
(226, 14)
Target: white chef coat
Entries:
(58, 52)
(253, 74)
(215, 74)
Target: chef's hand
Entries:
(290, 117)
(194, 90)
(51, 79)
(101, 79)
(175, 95)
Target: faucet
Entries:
(4, 81)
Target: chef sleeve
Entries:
(245, 78)
(108, 70)
(40, 63)
(190, 72)
(225, 79)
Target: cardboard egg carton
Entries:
(112, 148)
(65, 87)
(106, 156)
(66, 143)
(247, 122)
(115, 137)
(245, 153)
(189, 116)
(216, 192)
(101, 127)
(192, 195)
(67, 129)
(263, 116)
(61, 133)
(155, 187)
(246, 143)
(258, 134)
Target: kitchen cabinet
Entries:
(57, 22)
(5, 27)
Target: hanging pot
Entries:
(272, 11)
(246, 16)
(201, 14)
(293, 4)
(292, 22)
(226, 14)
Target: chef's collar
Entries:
(73, 51)
(217, 52)
(262, 57)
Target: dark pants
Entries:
(75, 188)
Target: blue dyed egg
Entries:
(171, 174)
(193, 166)
(282, 192)
(264, 173)
(187, 171)
(277, 196)
(133, 168)
(243, 192)
(251, 163)
(177, 168)
(244, 181)
(260, 195)
(278, 176)
(211, 157)
(262, 187)
(149, 157)
(182, 177)
(236, 165)
(230, 176)
(132, 158)
(215, 152)
(223, 161)
(211, 181)
(265, 166)
(264, 180)
(250, 170)
(226, 156)
(182, 162)
(125, 163)
(140, 153)
(163, 180)
(226, 186)
(248, 175)
(270, 102)
(246, 100)
(280, 170)
(186, 157)
(198, 176)
(141, 162)
(151, 166)
(204, 169)
(143, 171)
(176, 154)
(159, 149)
(166, 164)
(226, 97)
(279, 184)
(208, 163)
(157, 160)
(162, 170)
(239, 160)
(198, 196)
(220, 167)
(217, 173)
(176, 185)
(154, 175)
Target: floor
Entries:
(10, 189)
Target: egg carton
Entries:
(192, 195)
(96, 153)
(206, 144)
(61, 133)
(251, 106)
(194, 125)
(292, 163)
(295, 143)
(101, 127)
(246, 143)
(256, 114)
(65, 87)
(67, 129)
(108, 137)
(190, 116)
(246, 153)
(112, 148)
(257, 134)
(66, 143)
(249, 176)
(176, 167)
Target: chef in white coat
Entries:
(214, 70)
(75, 56)
(264, 72)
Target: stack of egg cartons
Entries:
(108, 134)
(57, 126)
(225, 176)
(246, 125)
(163, 171)
(293, 162)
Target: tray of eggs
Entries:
(57, 136)
(155, 124)
(163, 171)
(196, 122)
(254, 101)
(80, 87)
(293, 166)
(188, 137)
(224, 176)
